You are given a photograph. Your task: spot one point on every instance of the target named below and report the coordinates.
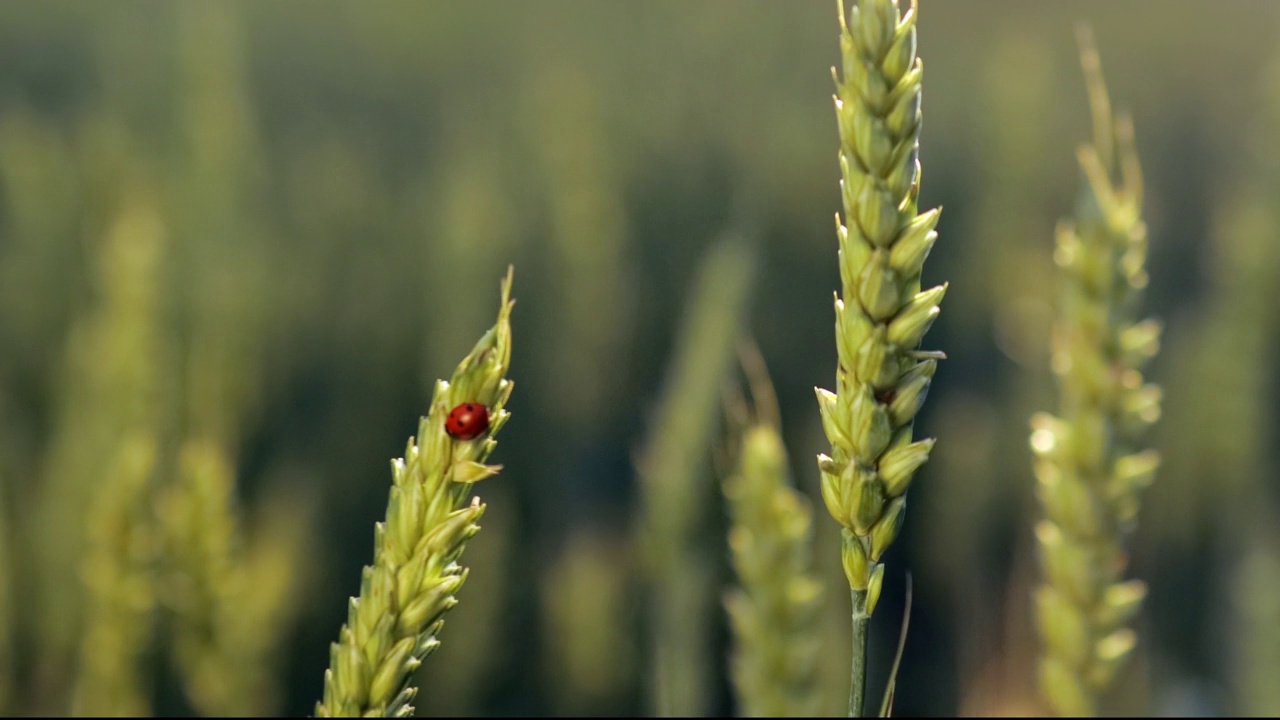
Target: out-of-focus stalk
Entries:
(676, 483)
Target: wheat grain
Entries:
(486, 620)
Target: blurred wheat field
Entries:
(240, 241)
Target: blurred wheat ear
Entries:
(119, 578)
(774, 610)
(395, 622)
(126, 351)
(1089, 470)
(117, 371)
(881, 312)
(231, 600)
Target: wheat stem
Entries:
(1255, 600)
(6, 594)
(587, 238)
(672, 473)
(586, 598)
(858, 670)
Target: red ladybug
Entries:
(467, 421)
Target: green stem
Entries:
(858, 673)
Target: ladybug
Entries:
(467, 421)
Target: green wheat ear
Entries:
(404, 595)
(881, 313)
(231, 593)
(116, 626)
(774, 610)
(1088, 468)
(118, 574)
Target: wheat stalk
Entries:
(227, 621)
(1089, 476)
(1255, 626)
(671, 469)
(586, 598)
(1224, 371)
(274, 573)
(774, 610)
(587, 243)
(405, 593)
(6, 593)
(881, 312)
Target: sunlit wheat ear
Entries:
(882, 313)
(395, 622)
(1089, 467)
